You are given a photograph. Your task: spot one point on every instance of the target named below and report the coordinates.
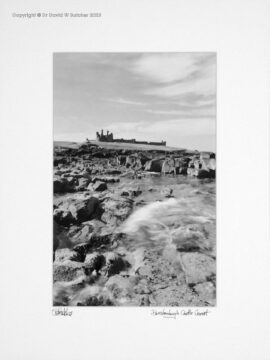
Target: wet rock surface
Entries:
(125, 234)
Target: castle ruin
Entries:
(108, 137)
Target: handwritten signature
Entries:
(62, 312)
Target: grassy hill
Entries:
(116, 145)
(67, 144)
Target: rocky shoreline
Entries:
(131, 228)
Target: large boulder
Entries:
(203, 174)
(114, 264)
(64, 184)
(67, 270)
(63, 217)
(116, 209)
(198, 267)
(62, 255)
(59, 186)
(154, 165)
(102, 238)
(82, 235)
(59, 160)
(92, 236)
(84, 210)
(94, 262)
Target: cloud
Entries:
(125, 102)
(186, 113)
(176, 74)
(185, 126)
(163, 68)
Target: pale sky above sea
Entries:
(146, 96)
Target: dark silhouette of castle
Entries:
(109, 138)
(103, 137)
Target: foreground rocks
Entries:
(96, 263)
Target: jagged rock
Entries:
(83, 184)
(121, 287)
(125, 193)
(98, 186)
(83, 210)
(60, 295)
(142, 288)
(61, 186)
(198, 267)
(113, 172)
(85, 175)
(62, 172)
(95, 262)
(63, 217)
(131, 192)
(106, 179)
(183, 170)
(83, 235)
(114, 264)
(206, 291)
(59, 160)
(56, 237)
(71, 181)
(154, 165)
(116, 209)
(144, 301)
(93, 295)
(93, 235)
(145, 271)
(102, 238)
(67, 254)
(82, 249)
(95, 224)
(67, 270)
(98, 300)
(203, 174)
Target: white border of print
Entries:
(239, 32)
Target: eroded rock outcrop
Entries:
(168, 259)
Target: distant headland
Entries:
(108, 137)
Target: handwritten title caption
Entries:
(173, 314)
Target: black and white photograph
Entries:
(134, 179)
(135, 183)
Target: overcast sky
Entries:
(147, 96)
